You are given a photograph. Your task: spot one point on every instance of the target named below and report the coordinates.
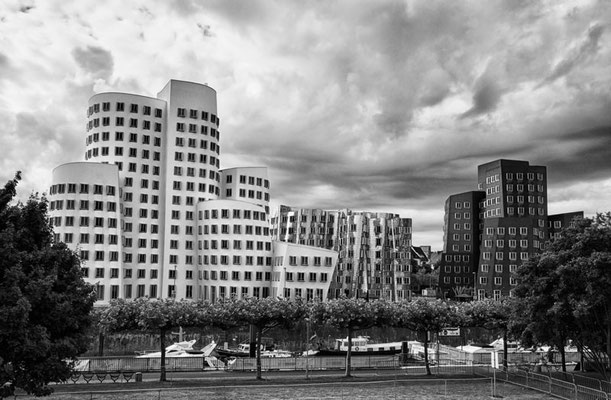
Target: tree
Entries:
(424, 316)
(148, 315)
(262, 314)
(45, 304)
(546, 309)
(352, 315)
(492, 315)
(570, 284)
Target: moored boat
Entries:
(360, 347)
(243, 351)
(181, 349)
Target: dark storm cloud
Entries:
(587, 156)
(486, 97)
(94, 60)
(588, 47)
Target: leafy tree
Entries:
(148, 315)
(569, 286)
(353, 315)
(547, 312)
(44, 303)
(424, 316)
(262, 314)
(492, 315)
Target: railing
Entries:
(558, 387)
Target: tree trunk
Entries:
(426, 353)
(608, 343)
(349, 354)
(101, 345)
(162, 377)
(562, 357)
(259, 334)
(505, 350)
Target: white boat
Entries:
(360, 347)
(181, 349)
(243, 351)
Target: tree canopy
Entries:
(45, 304)
(568, 290)
(427, 316)
(157, 316)
(352, 315)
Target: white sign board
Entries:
(450, 332)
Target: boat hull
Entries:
(355, 353)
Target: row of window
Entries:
(237, 229)
(250, 179)
(203, 144)
(213, 292)
(235, 213)
(251, 194)
(194, 114)
(97, 222)
(499, 255)
(458, 280)
(246, 275)
(305, 261)
(120, 107)
(82, 188)
(120, 121)
(459, 204)
(520, 176)
(457, 257)
(118, 151)
(234, 245)
(235, 260)
(304, 218)
(301, 277)
(86, 238)
(94, 205)
(194, 128)
(500, 243)
(512, 230)
(465, 269)
(298, 293)
(133, 138)
(498, 280)
(499, 268)
(192, 157)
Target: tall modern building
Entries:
(374, 248)
(462, 236)
(152, 214)
(508, 224)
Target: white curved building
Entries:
(85, 212)
(181, 227)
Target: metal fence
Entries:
(562, 388)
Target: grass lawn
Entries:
(400, 389)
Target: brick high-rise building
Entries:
(509, 215)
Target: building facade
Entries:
(152, 214)
(508, 225)
(374, 248)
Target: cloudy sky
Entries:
(369, 105)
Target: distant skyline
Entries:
(369, 105)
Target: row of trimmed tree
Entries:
(350, 315)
